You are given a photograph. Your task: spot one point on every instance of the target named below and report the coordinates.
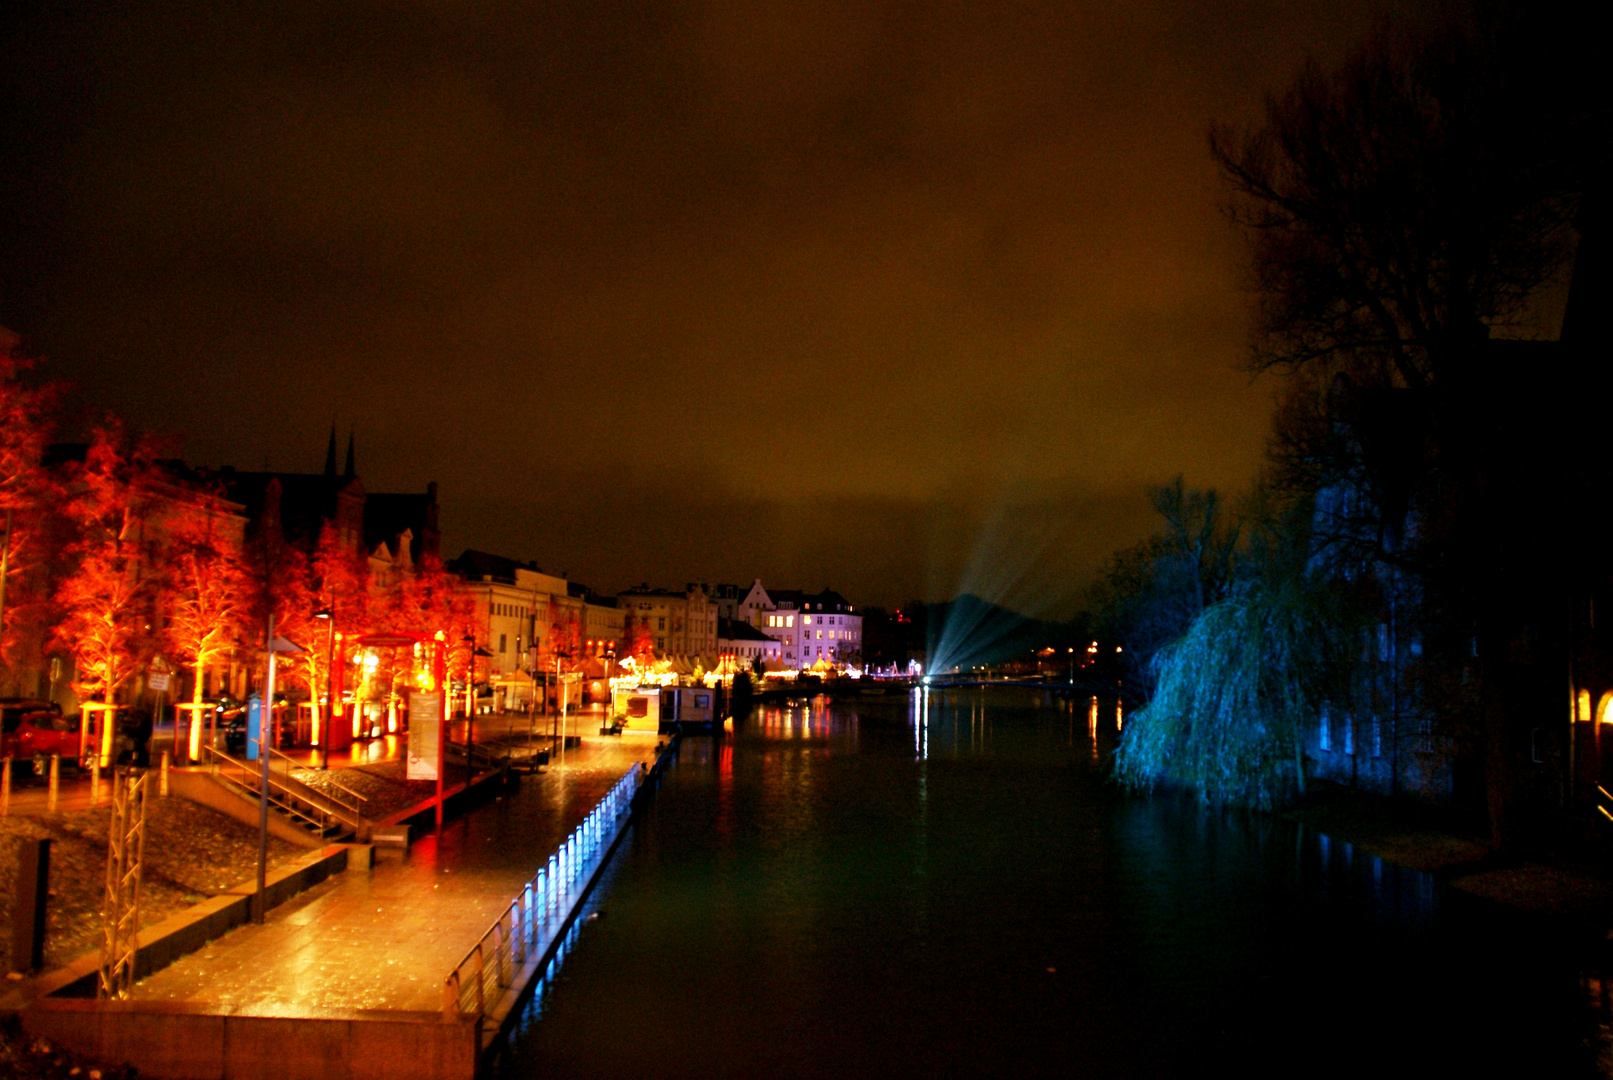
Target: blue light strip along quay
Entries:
(515, 954)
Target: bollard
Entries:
(95, 780)
(55, 786)
(162, 786)
(33, 891)
(5, 788)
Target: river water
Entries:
(895, 888)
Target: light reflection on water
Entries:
(947, 884)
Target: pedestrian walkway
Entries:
(386, 938)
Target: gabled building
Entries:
(742, 643)
(810, 627)
(681, 625)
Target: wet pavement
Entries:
(386, 938)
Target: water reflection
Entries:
(948, 884)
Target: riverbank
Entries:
(1568, 881)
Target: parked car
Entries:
(34, 730)
(12, 709)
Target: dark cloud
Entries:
(664, 291)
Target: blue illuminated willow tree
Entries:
(1255, 670)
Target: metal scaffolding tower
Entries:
(120, 914)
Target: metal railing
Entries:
(481, 755)
(353, 804)
(479, 980)
(291, 796)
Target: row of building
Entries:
(531, 628)
(700, 627)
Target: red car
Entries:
(34, 730)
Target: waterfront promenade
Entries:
(386, 938)
(347, 977)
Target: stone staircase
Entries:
(320, 816)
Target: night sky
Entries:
(896, 299)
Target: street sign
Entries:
(158, 681)
(425, 749)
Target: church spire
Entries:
(348, 472)
(330, 452)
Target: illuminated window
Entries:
(789, 620)
(1584, 713)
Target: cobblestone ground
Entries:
(190, 853)
(382, 784)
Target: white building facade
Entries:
(810, 627)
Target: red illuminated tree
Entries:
(277, 573)
(565, 639)
(210, 593)
(639, 644)
(108, 597)
(28, 494)
(337, 586)
(425, 599)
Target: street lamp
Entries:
(469, 640)
(470, 702)
(274, 645)
(329, 615)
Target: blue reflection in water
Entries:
(949, 885)
(532, 1011)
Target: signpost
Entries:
(425, 747)
(157, 680)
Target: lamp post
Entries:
(470, 705)
(439, 675)
(265, 718)
(329, 615)
(470, 698)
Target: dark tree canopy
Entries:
(1402, 204)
